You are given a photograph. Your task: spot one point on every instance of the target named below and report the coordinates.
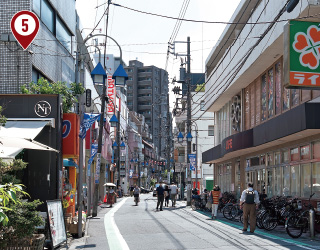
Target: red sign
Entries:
(229, 144)
(70, 135)
(24, 26)
(111, 93)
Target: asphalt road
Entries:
(126, 226)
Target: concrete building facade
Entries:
(147, 94)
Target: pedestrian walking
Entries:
(160, 196)
(136, 192)
(166, 196)
(174, 192)
(131, 191)
(214, 196)
(111, 194)
(249, 201)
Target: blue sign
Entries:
(130, 173)
(192, 160)
(66, 128)
(88, 120)
(94, 150)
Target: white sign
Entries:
(56, 222)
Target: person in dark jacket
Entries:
(160, 196)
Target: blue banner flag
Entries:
(192, 160)
(130, 173)
(94, 150)
(88, 120)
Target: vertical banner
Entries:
(111, 93)
(94, 150)
(192, 160)
(130, 173)
(97, 174)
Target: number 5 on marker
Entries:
(24, 26)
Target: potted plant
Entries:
(20, 219)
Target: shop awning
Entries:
(19, 135)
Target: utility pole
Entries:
(188, 80)
(101, 127)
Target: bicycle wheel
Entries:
(259, 219)
(235, 213)
(294, 227)
(227, 212)
(193, 205)
(269, 222)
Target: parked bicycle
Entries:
(298, 224)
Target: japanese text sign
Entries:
(302, 54)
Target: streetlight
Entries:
(189, 137)
(115, 145)
(180, 137)
(122, 146)
(113, 121)
(99, 76)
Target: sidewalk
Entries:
(95, 236)
(279, 233)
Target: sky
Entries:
(145, 37)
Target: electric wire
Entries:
(204, 21)
(221, 61)
(247, 56)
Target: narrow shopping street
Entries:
(126, 226)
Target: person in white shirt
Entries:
(173, 193)
(249, 202)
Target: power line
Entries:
(247, 56)
(225, 55)
(204, 21)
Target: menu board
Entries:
(56, 223)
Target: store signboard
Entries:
(56, 223)
(111, 93)
(70, 138)
(302, 55)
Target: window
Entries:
(129, 103)
(286, 181)
(316, 179)
(305, 152)
(295, 96)
(264, 97)
(37, 6)
(36, 75)
(130, 70)
(305, 180)
(278, 87)
(295, 156)
(270, 93)
(202, 105)
(47, 15)
(130, 79)
(129, 87)
(210, 130)
(63, 35)
(316, 150)
(295, 180)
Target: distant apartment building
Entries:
(147, 94)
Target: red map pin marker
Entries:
(24, 26)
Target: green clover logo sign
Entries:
(308, 45)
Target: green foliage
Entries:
(153, 182)
(23, 218)
(68, 95)
(200, 87)
(9, 195)
(14, 165)
(3, 119)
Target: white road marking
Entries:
(115, 239)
